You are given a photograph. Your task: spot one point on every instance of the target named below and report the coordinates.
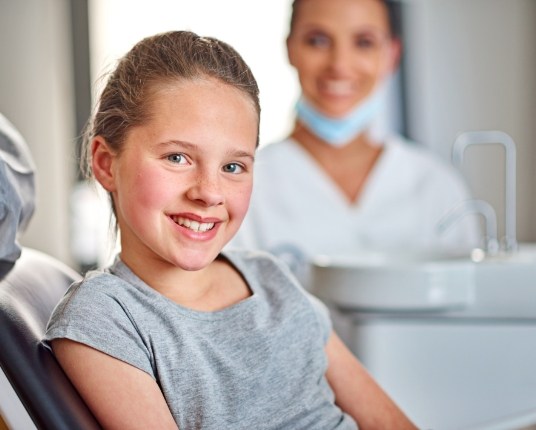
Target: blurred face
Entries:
(342, 50)
(182, 182)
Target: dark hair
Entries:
(160, 59)
(394, 12)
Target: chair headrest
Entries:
(17, 189)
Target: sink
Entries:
(438, 330)
(476, 284)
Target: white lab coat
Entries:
(295, 206)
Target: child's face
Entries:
(182, 183)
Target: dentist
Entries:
(335, 185)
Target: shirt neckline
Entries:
(121, 270)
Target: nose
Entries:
(341, 58)
(345, 58)
(206, 190)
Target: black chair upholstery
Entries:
(29, 290)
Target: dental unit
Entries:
(450, 338)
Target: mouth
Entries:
(192, 224)
(338, 87)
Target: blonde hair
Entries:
(156, 60)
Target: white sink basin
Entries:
(504, 285)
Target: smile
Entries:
(193, 225)
(338, 87)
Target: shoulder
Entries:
(265, 271)
(420, 159)
(281, 288)
(96, 293)
(112, 290)
(419, 169)
(101, 301)
(104, 312)
(102, 282)
(410, 151)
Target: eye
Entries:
(233, 168)
(365, 42)
(368, 41)
(317, 40)
(177, 158)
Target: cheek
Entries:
(378, 67)
(239, 201)
(308, 63)
(310, 67)
(148, 189)
(370, 66)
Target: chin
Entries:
(193, 262)
(191, 268)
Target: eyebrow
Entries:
(319, 27)
(193, 147)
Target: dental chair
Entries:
(33, 388)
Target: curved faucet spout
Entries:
(493, 137)
(474, 206)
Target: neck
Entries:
(210, 289)
(348, 166)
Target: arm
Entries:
(357, 394)
(119, 395)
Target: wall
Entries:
(471, 65)
(257, 32)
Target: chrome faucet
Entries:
(474, 206)
(490, 137)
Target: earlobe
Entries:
(102, 161)
(290, 51)
(395, 54)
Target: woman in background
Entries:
(335, 186)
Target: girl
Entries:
(177, 333)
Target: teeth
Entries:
(338, 87)
(194, 225)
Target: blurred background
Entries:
(467, 65)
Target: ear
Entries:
(290, 51)
(102, 163)
(395, 53)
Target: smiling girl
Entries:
(177, 333)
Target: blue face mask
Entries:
(340, 131)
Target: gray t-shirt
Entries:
(258, 364)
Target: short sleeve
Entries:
(91, 315)
(322, 315)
